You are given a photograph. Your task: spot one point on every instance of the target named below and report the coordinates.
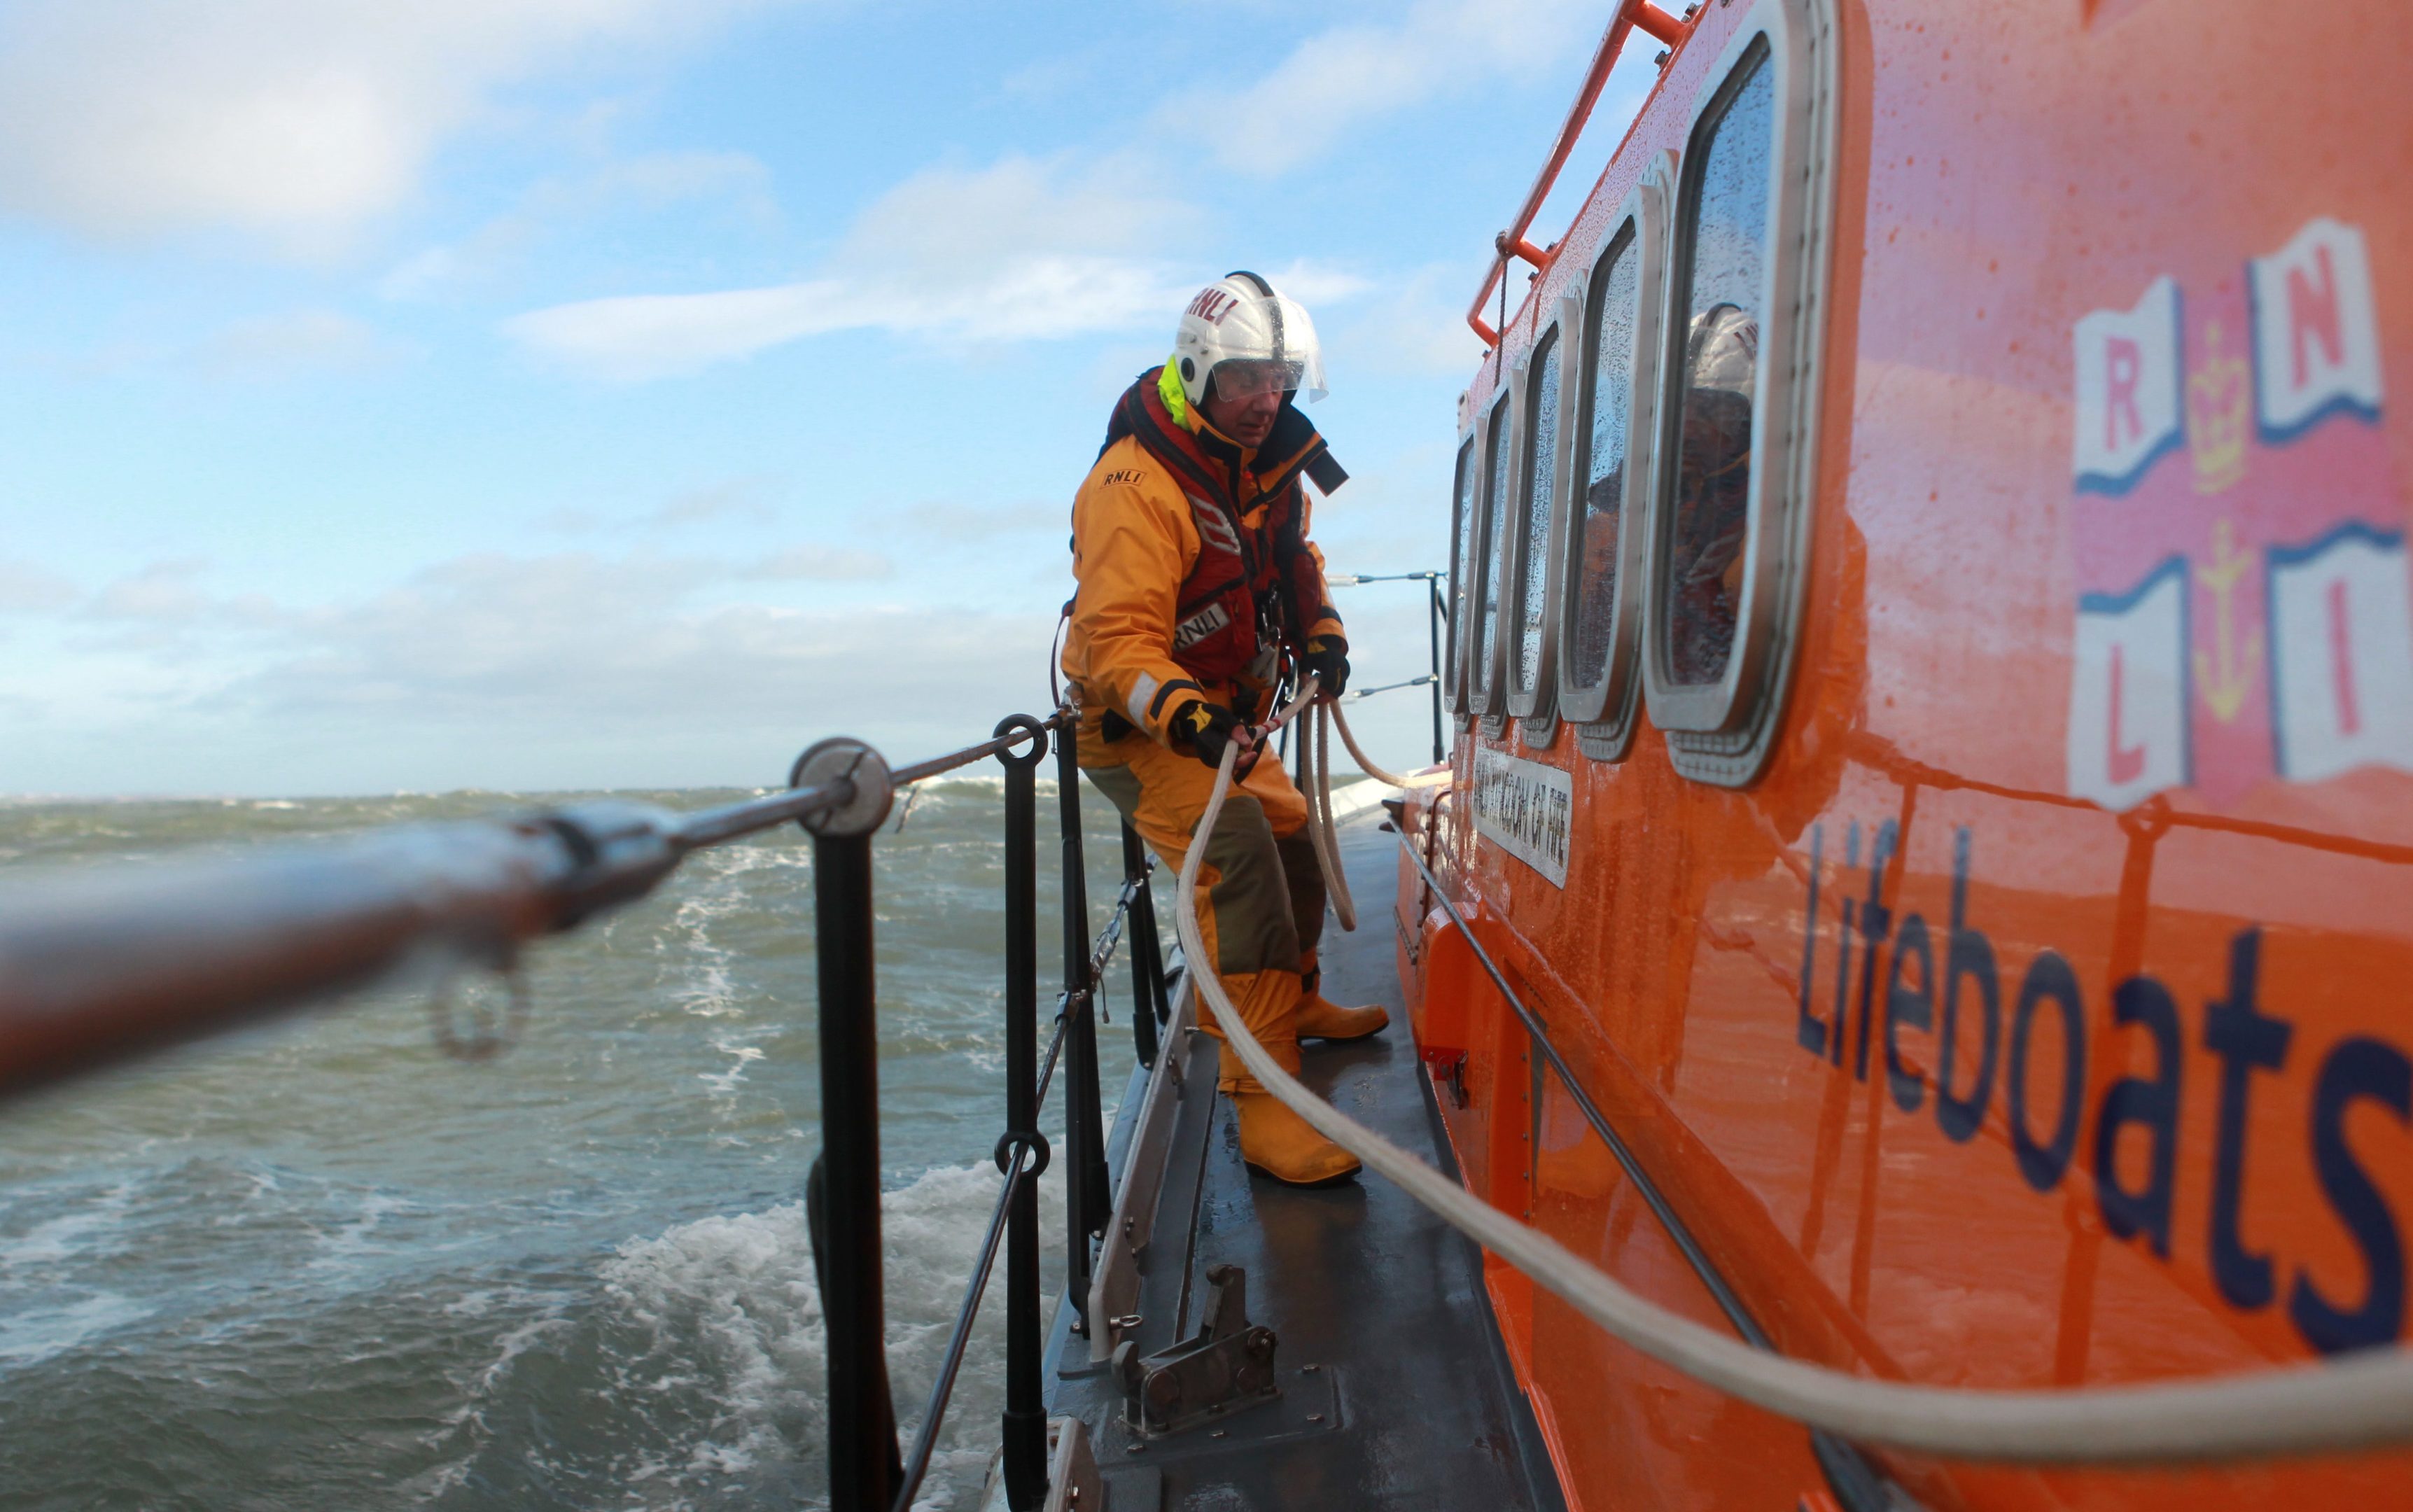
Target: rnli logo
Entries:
(1211, 306)
(2242, 612)
(1199, 626)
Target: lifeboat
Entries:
(1933, 678)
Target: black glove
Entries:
(1208, 728)
(1327, 661)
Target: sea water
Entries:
(319, 1264)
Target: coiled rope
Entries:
(2363, 1401)
(1315, 777)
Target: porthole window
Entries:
(1461, 560)
(1733, 490)
(1601, 587)
(1530, 660)
(1483, 667)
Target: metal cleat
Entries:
(1227, 1368)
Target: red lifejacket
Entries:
(1254, 588)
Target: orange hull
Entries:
(2162, 927)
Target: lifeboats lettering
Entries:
(1524, 808)
(1947, 987)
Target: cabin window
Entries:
(1481, 670)
(1600, 621)
(1725, 279)
(1616, 293)
(1531, 567)
(1737, 431)
(1461, 558)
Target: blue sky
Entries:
(545, 394)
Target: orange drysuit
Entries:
(1136, 552)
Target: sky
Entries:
(541, 394)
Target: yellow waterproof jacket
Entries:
(1135, 546)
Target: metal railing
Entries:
(1435, 611)
(1513, 243)
(99, 967)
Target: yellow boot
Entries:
(1273, 1140)
(1286, 1147)
(1318, 1018)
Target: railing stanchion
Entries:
(1432, 618)
(1026, 1408)
(1144, 963)
(1089, 1202)
(864, 1466)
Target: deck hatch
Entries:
(1733, 499)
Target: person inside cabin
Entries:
(1712, 492)
(1200, 597)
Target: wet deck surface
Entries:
(1396, 1391)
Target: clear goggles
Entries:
(1244, 378)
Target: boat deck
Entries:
(1396, 1389)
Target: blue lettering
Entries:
(1969, 954)
(1904, 1005)
(1810, 1030)
(2153, 1104)
(2050, 979)
(2356, 1068)
(2243, 1039)
(1875, 921)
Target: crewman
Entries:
(1200, 598)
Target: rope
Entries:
(1315, 765)
(2363, 1401)
(1365, 763)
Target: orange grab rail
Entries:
(1512, 241)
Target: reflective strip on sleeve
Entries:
(1156, 705)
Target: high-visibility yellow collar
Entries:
(1191, 417)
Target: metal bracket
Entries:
(1073, 1484)
(1448, 1069)
(1227, 1368)
(841, 757)
(1114, 1290)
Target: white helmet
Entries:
(1240, 319)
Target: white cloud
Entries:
(745, 499)
(1348, 76)
(549, 653)
(28, 588)
(950, 520)
(823, 564)
(276, 346)
(648, 183)
(1416, 324)
(1023, 249)
(500, 670)
(653, 335)
(296, 119)
(163, 591)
